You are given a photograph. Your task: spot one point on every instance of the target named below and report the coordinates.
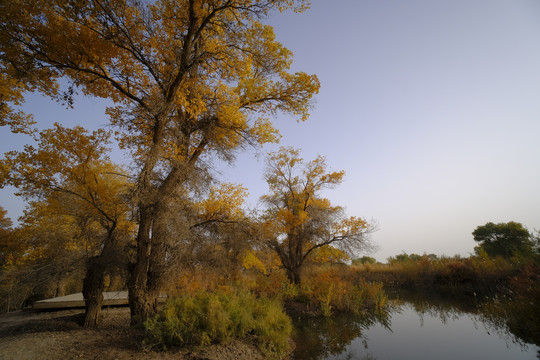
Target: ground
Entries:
(51, 335)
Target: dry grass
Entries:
(468, 276)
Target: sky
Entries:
(432, 108)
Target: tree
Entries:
(299, 220)
(503, 239)
(53, 252)
(364, 260)
(535, 239)
(328, 254)
(6, 238)
(217, 232)
(44, 256)
(10, 251)
(68, 175)
(191, 80)
(404, 257)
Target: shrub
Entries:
(215, 317)
(326, 290)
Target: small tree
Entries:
(503, 239)
(68, 176)
(364, 260)
(299, 221)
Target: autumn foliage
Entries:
(188, 82)
(301, 224)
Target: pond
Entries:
(421, 329)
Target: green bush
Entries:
(217, 317)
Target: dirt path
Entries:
(58, 335)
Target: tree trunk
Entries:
(142, 301)
(143, 305)
(8, 300)
(94, 280)
(295, 275)
(93, 285)
(58, 290)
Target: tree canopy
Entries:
(364, 260)
(78, 210)
(300, 221)
(503, 239)
(190, 81)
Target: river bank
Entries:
(30, 335)
(363, 298)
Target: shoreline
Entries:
(33, 334)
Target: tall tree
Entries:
(300, 221)
(68, 174)
(191, 79)
(10, 250)
(503, 239)
(208, 229)
(5, 237)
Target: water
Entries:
(418, 330)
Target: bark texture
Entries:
(93, 286)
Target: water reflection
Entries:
(519, 317)
(320, 338)
(418, 327)
(515, 320)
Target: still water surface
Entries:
(411, 331)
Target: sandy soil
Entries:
(58, 335)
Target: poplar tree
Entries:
(299, 221)
(191, 81)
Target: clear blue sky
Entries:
(431, 107)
